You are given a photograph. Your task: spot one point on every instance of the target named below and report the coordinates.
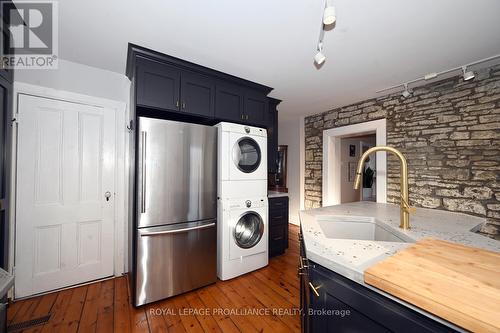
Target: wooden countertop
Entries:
(458, 283)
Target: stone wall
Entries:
(450, 133)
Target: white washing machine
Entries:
(242, 234)
(242, 157)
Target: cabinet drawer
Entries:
(278, 217)
(280, 203)
(277, 240)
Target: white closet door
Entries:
(65, 169)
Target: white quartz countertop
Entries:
(350, 258)
(276, 194)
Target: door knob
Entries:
(107, 195)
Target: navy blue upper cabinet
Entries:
(158, 85)
(169, 87)
(255, 108)
(228, 102)
(197, 94)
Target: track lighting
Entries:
(468, 75)
(406, 93)
(319, 58)
(329, 14)
(328, 19)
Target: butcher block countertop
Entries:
(458, 283)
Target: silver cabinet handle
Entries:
(143, 169)
(177, 231)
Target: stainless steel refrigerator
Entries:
(175, 247)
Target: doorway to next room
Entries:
(351, 149)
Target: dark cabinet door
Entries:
(278, 225)
(303, 273)
(354, 308)
(345, 318)
(158, 85)
(341, 317)
(228, 102)
(197, 94)
(255, 108)
(5, 73)
(272, 138)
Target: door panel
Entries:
(177, 172)
(175, 259)
(228, 102)
(158, 85)
(197, 94)
(255, 108)
(64, 227)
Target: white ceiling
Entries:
(375, 44)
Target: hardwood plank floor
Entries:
(266, 300)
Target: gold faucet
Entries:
(405, 206)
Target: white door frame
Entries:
(332, 164)
(121, 158)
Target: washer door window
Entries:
(246, 155)
(248, 230)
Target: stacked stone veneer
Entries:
(450, 133)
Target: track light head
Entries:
(406, 93)
(468, 75)
(329, 15)
(320, 57)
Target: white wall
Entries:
(78, 78)
(289, 133)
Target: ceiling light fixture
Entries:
(329, 13)
(468, 75)
(430, 76)
(406, 93)
(319, 58)
(328, 19)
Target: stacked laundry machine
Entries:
(242, 228)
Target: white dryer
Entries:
(242, 234)
(242, 157)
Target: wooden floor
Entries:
(266, 300)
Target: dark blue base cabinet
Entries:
(342, 305)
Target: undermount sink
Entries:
(357, 228)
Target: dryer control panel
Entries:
(248, 203)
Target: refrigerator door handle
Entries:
(176, 231)
(143, 171)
